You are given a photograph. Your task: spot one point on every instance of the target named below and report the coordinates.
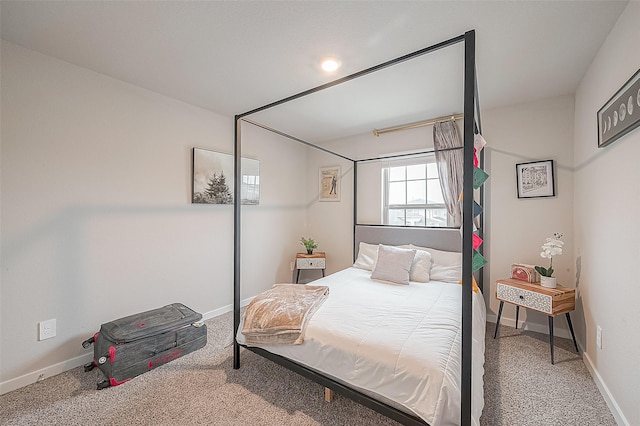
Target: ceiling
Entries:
(233, 56)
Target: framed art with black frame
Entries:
(535, 179)
(621, 114)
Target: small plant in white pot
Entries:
(309, 244)
(551, 247)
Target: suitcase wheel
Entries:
(102, 384)
(89, 366)
(88, 342)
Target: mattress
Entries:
(399, 342)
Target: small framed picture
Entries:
(535, 179)
(330, 183)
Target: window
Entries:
(411, 193)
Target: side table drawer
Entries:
(526, 298)
(311, 263)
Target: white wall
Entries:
(96, 216)
(271, 231)
(330, 223)
(606, 226)
(370, 193)
(516, 228)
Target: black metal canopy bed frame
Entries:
(471, 125)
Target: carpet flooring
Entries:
(202, 388)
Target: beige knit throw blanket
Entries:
(279, 316)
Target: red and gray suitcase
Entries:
(129, 346)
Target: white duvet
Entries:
(401, 342)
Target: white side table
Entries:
(310, 261)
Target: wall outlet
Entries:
(599, 336)
(47, 329)
(291, 266)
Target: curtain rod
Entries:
(419, 124)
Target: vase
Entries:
(549, 282)
(309, 251)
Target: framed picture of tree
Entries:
(213, 178)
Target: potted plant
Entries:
(551, 247)
(309, 244)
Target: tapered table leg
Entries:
(551, 337)
(573, 336)
(495, 333)
(517, 314)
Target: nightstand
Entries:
(549, 301)
(310, 261)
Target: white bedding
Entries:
(402, 342)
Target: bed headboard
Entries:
(447, 239)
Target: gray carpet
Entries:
(521, 388)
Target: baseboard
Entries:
(538, 328)
(604, 390)
(43, 373)
(61, 367)
(224, 309)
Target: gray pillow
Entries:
(393, 264)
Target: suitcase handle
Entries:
(88, 342)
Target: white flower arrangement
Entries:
(551, 247)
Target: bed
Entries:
(398, 343)
(427, 364)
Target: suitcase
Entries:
(129, 346)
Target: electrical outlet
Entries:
(291, 266)
(599, 336)
(47, 329)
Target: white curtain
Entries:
(450, 166)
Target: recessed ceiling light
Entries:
(330, 64)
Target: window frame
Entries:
(422, 159)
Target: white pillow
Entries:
(367, 256)
(447, 265)
(421, 267)
(393, 264)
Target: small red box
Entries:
(523, 272)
